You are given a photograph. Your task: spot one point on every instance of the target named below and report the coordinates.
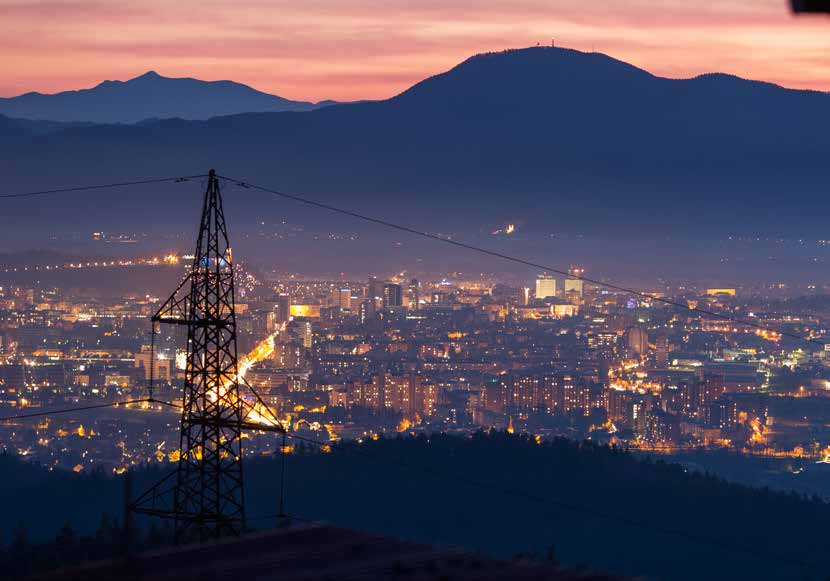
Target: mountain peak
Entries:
(148, 77)
(149, 96)
(537, 72)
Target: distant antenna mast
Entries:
(553, 43)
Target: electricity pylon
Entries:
(208, 499)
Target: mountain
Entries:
(11, 130)
(147, 97)
(14, 129)
(560, 140)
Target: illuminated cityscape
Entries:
(494, 290)
(351, 359)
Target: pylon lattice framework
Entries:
(208, 497)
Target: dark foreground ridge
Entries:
(316, 551)
(492, 493)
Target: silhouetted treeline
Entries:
(23, 558)
(493, 492)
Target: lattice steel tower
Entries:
(208, 500)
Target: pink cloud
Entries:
(354, 49)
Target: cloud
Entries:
(352, 49)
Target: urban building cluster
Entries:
(354, 359)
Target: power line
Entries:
(78, 409)
(424, 234)
(456, 477)
(493, 253)
(464, 480)
(174, 179)
(167, 403)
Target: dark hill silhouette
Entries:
(146, 97)
(14, 130)
(562, 138)
(11, 131)
(495, 493)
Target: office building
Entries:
(545, 287)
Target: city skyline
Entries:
(360, 51)
(346, 364)
(532, 289)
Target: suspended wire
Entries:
(721, 544)
(174, 179)
(274, 417)
(493, 253)
(282, 514)
(152, 491)
(457, 477)
(78, 409)
(167, 403)
(284, 430)
(424, 234)
(471, 482)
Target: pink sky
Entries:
(363, 49)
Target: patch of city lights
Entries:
(506, 230)
(170, 259)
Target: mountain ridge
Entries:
(149, 95)
(562, 138)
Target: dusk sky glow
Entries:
(366, 49)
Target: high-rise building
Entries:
(414, 294)
(367, 311)
(341, 397)
(545, 286)
(289, 355)
(576, 291)
(574, 285)
(616, 404)
(688, 397)
(493, 395)
(271, 322)
(300, 331)
(724, 414)
(407, 393)
(283, 308)
(306, 311)
(161, 368)
(638, 420)
(392, 295)
(709, 390)
(525, 392)
(374, 290)
(342, 297)
(637, 341)
(573, 290)
(661, 428)
(661, 351)
(576, 396)
(552, 393)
